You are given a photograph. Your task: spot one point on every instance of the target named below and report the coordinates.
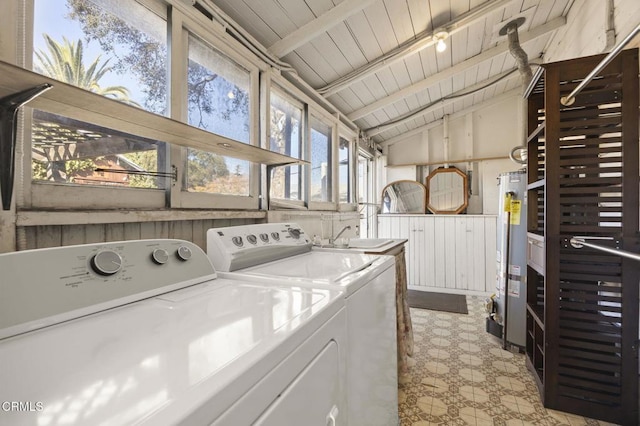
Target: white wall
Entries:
(492, 130)
(584, 34)
(496, 127)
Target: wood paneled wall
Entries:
(64, 235)
(448, 253)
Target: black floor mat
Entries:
(456, 303)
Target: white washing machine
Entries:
(143, 332)
(276, 253)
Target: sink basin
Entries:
(368, 243)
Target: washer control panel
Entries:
(238, 247)
(46, 286)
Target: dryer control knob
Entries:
(160, 256)
(184, 253)
(106, 262)
(252, 239)
(237, 241)
(295, 233)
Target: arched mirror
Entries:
(404, 196)
(447, 191)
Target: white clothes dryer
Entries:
(276, 253)
(144, 332)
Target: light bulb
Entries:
(440, 37)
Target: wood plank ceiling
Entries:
(376, 60)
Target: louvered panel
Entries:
(590, 201)
(591, 327)
(591, 267)
(569, 276)
(593, 382)
(595, 357)
(597, 399)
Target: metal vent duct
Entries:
(521, 57)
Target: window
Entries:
(217, 101)
(344, 171)
(320, 161)
(286, 129)
(69, 151)
(117, 49)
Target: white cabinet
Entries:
(455, 252)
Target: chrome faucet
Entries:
(332, 240)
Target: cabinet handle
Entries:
(331, 417)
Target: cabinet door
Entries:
(312, 398)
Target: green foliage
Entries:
(147, 160)
(133, 51)
(71, 169)
(65, 62)
(205, 167)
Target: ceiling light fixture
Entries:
(440, 38)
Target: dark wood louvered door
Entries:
(589, 156)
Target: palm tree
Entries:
(64, 62)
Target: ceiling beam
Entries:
(410, 47)
(321, 24)
(458, 68)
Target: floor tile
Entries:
(460, 375)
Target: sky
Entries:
(50, 19)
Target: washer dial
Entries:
(295, 233)
(106, 262)
(184, 253)
(160, 256)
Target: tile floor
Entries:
(460, 375)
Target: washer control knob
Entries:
(106, 262)
(294, 232)
(184, 253)
(264, 237)
(237, 241)
(252, 239)
(275, 236)
(160, 256)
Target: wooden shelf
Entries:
(537, 313)
(80, 104)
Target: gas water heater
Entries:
(509, 303)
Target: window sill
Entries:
(52, 217)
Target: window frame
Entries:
(288, 203)
(331, 122)
(183, 24)
(50, 195)
(351, 136)
(180, 19)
